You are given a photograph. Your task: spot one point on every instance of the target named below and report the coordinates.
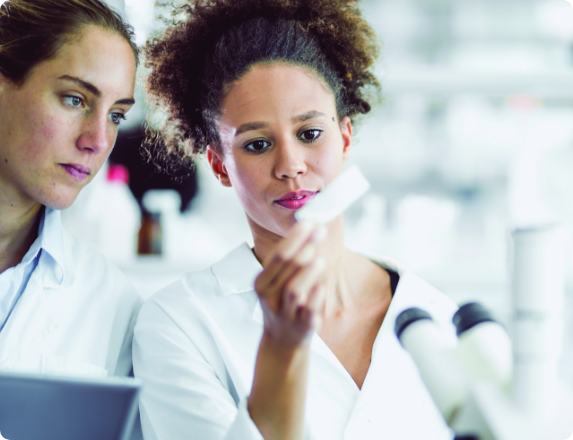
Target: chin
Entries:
(61, 200)
(59, 206)
(282, 227)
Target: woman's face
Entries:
(58, 128)
(281, 143)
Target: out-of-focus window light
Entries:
(141, 15)
(555, 20)
(118, 5)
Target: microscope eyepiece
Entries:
(407, 317)
(469, 315)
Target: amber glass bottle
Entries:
(150, 235)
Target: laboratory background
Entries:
(473, 138)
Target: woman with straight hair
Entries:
(67, 74)
(293, 338)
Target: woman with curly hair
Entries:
(293, 338)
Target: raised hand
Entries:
(289, 287)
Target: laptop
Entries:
(37, 407)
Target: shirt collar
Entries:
(57, 256)
(236, 272)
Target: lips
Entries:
(76, 171)
(295, 200)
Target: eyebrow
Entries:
(308, 115)
(250, 126)
(93, 89)
(298, 118)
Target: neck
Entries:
(338, 261)
(18, 230)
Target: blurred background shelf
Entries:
(443, 83)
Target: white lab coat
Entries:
(195, 346)
(75, 317)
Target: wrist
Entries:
(277, 400)
(284, 347)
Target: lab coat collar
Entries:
(236, 272)
(56, 250)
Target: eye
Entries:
(116, 118)
(257, 146)
(74, 101)
(310, 135)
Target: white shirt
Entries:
(69, 310)
(14, 280)
(196, 343)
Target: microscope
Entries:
(487, 385)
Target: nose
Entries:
(96, 136)
(290, 160)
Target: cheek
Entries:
(246, 184)
(247, 180)
(46, 137)
(328, 161)
(49, 129)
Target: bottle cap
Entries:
(118, 173)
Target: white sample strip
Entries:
(335, 198)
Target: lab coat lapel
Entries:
(236, 275)
(390, 366)
(317, 345)
(388, 357)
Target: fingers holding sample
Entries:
(302, 284)
(291, 255)
(301, 305)
(277, 263)
(289, 286)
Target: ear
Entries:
(217, 166)
(346, 131)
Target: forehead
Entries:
(276, 91)
(96, 55)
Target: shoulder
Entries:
(217, 286)
(190, 303)
(413, 291)
(189, 292)
(96, 275)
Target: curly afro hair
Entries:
(198, 58)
